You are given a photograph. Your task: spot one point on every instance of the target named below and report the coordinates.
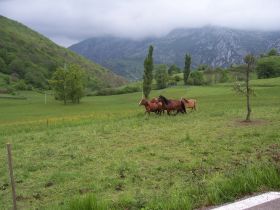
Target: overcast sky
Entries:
(70, 21)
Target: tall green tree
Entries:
(187, 68)
(148, 73)
(161, 76)
(68, 84)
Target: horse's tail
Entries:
(183, 106)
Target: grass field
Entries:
(106, 153)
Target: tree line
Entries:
(161, 74)
(266, 67)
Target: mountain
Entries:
(30, 57)
(215, 46)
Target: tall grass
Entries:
(256, 178)
(88, 202)
(214, 190)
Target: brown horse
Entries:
(150, 106)
(172, 105)
(190, 103)
(156, 100)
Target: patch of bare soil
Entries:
(254, 122)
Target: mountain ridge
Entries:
(212, 45)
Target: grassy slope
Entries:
(107, 146)
(24, 44)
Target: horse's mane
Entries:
(165, 100)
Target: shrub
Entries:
(272, 52)
(3, 66)
(268, 67)
(35, 78)
(115, 91)
(20, 85)
(172, 81)
(177, 78)
(196, 78)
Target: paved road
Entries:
(271, 205)
(266, 201)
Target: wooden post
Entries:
(12, 175)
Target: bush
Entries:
(6, 79)
(8, 90)
(272, 52)
(113, 91)
(36, 78)
(196, 78)
(3, 66)
(222, 76)
(20, 85)
(268, 67)
(177, 78)
(17, 66)
(173, 69)
(172, 81)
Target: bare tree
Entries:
(247, 91)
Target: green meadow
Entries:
(105, 153)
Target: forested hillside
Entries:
(28, 58)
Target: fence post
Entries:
(12, 175)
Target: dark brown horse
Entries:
(172, 105)
(155, 106)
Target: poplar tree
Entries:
(187, 68)
(148, 73)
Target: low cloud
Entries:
(70, 21)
